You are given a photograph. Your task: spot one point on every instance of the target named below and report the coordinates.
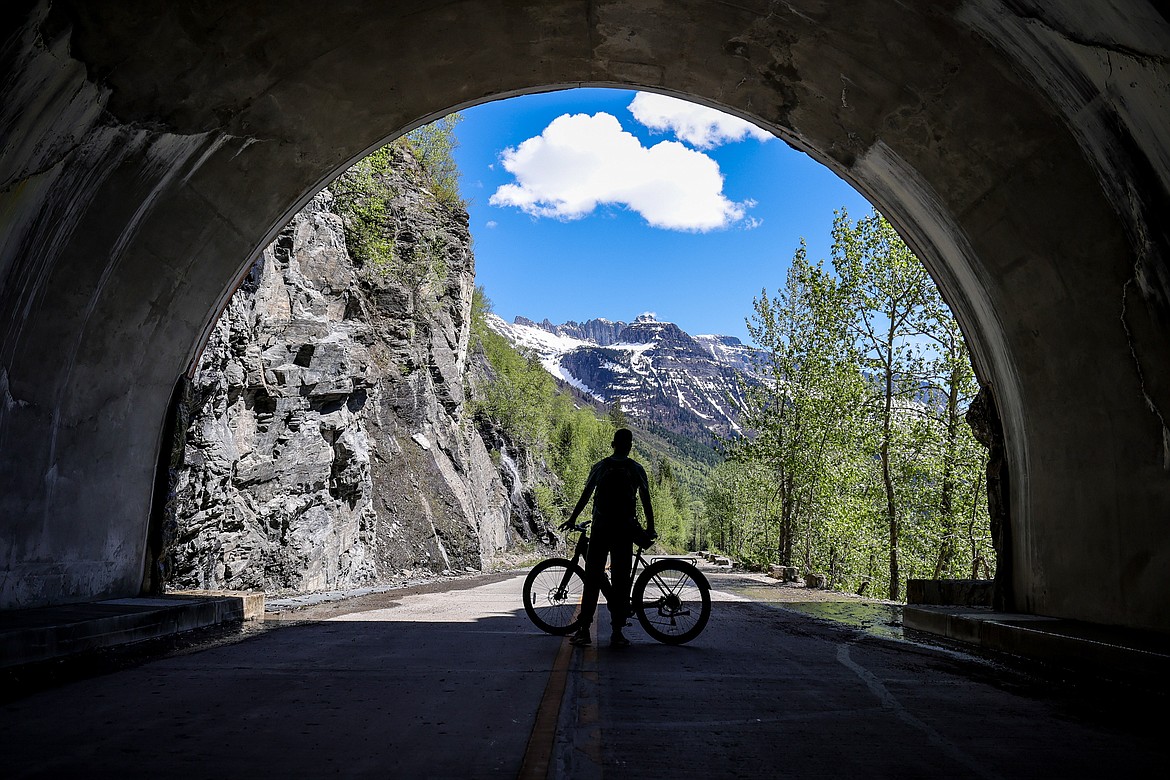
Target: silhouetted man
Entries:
(614, 483)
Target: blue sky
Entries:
(597, 220)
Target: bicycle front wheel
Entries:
(552, 595)
(673, 601)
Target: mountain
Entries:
(685, 384)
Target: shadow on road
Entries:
(355, 698)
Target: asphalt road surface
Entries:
(453, 681)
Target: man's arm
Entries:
(644, 494)
(590, 484)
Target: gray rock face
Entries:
(601, 331)
(730, 351)
(327, 445)
(662, 374)
(687, 385)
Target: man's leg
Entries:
(621, 559)
(594, 572)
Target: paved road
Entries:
(450, 683)
(439, 684)
(766, 691)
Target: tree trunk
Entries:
(892, 518)
(887, 476)
(946, 553)
(784, 543)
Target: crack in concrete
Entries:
(24, 177)
(9, 401)
(1150, 403)
(1082, 40)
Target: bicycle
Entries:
(671, 597)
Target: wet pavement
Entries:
(879, 618)
(451, 680)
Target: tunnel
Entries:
(150, 151)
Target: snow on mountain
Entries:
(529, 335)
(730, 351)
(548, 345)
(659, 373)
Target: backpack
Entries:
(615, 492)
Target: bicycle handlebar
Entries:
(583, 526)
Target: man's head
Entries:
(623, 441)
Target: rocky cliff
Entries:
(327, 443)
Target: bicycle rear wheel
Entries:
(673, 601)
(552, 595)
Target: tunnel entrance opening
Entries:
(307, 336)
(992, 136)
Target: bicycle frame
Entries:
(581, 551)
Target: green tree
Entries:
(673, 516)
(857, 464)
(953, 381)
(888, 291)
(801, 416)
(520, 398)
(617, 416)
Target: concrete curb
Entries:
(35, 635)
(1063, 643)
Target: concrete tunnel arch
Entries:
(149, 153)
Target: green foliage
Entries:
(617, 415)
(366, 200)
(860, 466)
(546, 500)
(434, 145)
(674, 515)
(521, 399)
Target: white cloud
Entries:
(699, 126)
(491, 223)
(581, 162)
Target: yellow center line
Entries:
(538, 754)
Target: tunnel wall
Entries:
(150, 152)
